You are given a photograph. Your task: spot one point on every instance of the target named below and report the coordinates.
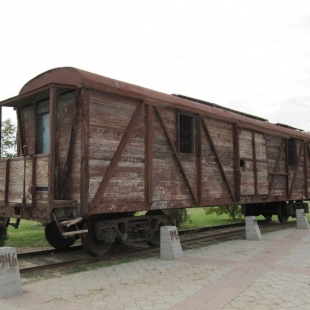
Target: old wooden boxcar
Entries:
(92, 151)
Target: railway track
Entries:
(31, 262)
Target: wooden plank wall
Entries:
(213, 185)
(169, 186)
(254, 170)
(246, 155)
(261, 164)
(16, 185)
(109, 116)
(65, 116)
(28, 127)
(273, 146)
(175, 177)
(296, 175)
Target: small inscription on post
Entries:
(170, 246)
(9, 258)
(174, 235)
(10, 281)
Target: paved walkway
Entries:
(273, 273)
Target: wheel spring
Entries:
(139, 234)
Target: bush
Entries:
(234, 211)
(177, 217)
(3, 232)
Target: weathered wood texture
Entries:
(213, 184)
(277, 167)
(175, 180)
(69, 188)
(288, 181)
(125, 157)
(296, 177)
(169, 184)
(109, 116)
(14, 193)
(254, 172)
(28, 128)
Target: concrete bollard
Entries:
(170, 246)
(252, 231)
(302, 221)
(10, 281)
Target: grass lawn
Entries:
(198, 218)
(31, 234)
(28, 234)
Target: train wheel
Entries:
(55, 238)
(282, 216)
(90, 242)
(156, 237)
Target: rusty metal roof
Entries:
(70, 78)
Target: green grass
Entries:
(28, 234)
(198, 218)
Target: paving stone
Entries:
(239, 274)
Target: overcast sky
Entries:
(253, 56)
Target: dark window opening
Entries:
(17, 211)
(242, 163)
(43, 127)
(291, 152)
(186, 133)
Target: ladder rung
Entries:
(74, 232)
(71, 222)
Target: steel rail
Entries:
(187, 243)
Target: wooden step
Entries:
(71, 222)
(75, 232)
(65, 203)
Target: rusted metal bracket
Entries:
(21, 131)
(149, 156)
(24, 178)
(7, 223)
(7, 182)
(237, 171)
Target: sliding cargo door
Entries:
(253, 164)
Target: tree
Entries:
(8, 139)
(8, 150)
(177, 216)
(234, 211)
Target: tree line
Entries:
(8, 150)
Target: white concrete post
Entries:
(302, 221)
(252, 231)
(10, 281)
(170, 246)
